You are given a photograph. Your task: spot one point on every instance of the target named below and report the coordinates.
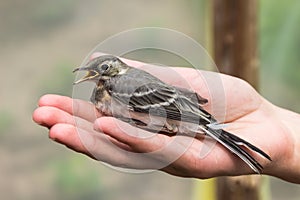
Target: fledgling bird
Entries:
(145, 101)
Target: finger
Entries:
(75, 107)
(141, 140)
(80, 140)
(165, 150)
(103, 148)
(161, 147)
(176, 155)
(138, 139)
(66, 134)
(49, 116)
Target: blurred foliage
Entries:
(279, 50)
(75, 180)
(34, 19)
(158, 56)
(59, 80)
(6, 120)
(51, 13)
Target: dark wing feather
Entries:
(192, 95)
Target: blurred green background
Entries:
(42, 41)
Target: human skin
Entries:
(276, 131)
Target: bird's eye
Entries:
(104, 67)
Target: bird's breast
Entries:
(102, 100)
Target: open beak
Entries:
(91, 74)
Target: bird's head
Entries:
(102, 68)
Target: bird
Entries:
(143, 100)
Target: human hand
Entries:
(250, 116)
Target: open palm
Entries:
(73, 123)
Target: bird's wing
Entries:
(144, 93)
(192, 95)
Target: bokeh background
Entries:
(42, 41)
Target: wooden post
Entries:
(235, 38)
(235, 53)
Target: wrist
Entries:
(286, 164)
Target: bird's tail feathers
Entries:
(233, 143)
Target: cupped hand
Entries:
(76, 124)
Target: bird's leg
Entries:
(171, 127)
